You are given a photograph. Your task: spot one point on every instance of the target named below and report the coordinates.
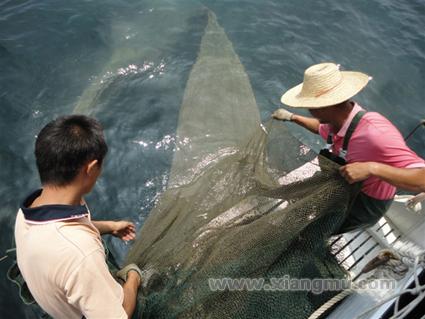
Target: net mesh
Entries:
(244, 201)
(240, 217)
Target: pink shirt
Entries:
(375, 139)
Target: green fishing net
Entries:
(243, 201)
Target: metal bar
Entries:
(365, 254)
(357, 248)
(348, 242)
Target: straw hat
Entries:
(325, 85)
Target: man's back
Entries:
(63, 263)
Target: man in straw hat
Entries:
(368, 147)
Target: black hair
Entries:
(64, 145)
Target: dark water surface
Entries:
(55, 54)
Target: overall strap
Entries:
(355, 121)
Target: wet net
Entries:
(242, 217)
(243, 201)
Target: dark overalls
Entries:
(365, 210)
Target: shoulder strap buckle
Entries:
(342, 153)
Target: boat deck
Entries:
(354, 250)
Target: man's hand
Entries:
(412, 202)
(356, 172)
(124, 230)
(282, 114)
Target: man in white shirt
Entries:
(59, 248)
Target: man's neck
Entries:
(340, 116)
(54, 195)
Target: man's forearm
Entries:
(309, 123)
(104, 226)
(412, 179)
(130, 288)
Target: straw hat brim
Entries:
(351, 84)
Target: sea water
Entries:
(127, 63)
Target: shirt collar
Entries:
(50, 213)
(343, 130)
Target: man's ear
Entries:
(92, 167)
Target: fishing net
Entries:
(243, 201)
(240, 216)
